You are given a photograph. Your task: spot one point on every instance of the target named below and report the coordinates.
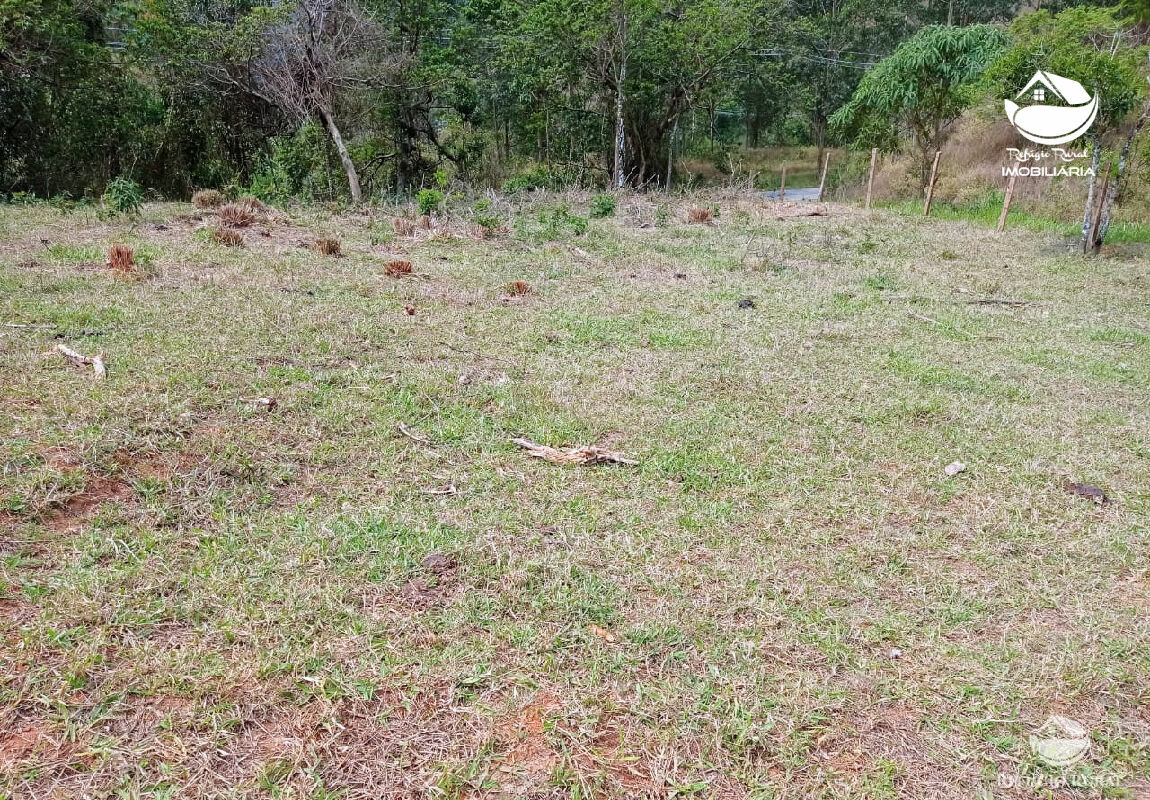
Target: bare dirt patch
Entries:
(82, 507)
(20, 741)
(530, 759)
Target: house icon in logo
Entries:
(1060, 741)
(1052, 124)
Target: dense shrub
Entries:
(123, 196)
(602, 205)
(429, 200)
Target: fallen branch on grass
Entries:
(814, 212)
(410, 434)
(997, 301)
(448, 489)
(585, 456)
(96, 362)
(923, 318)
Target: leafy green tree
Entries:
(920, 89)
(72, 113)
(645, 61)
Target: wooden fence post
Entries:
(823, 179)
(783, 185)
(870, 179)
(1006, 202)
(930, 186)
(1096, 217)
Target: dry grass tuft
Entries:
(121, 258)
(207, 198)
(403, 227)
(424, 222)
(252, 202)
(397, 268)
(698, 215)
(328, 246)
(237, 215)
(228, 237)
(518, 288)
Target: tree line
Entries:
(330, 99)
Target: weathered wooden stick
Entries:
(783, 185)
(823, 179)
(76, 358)
(930, 185)
(870, 179)
(1006, 203)
(80, 360)
(1097, 216)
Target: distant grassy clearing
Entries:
(1120, 232)
(202, 597)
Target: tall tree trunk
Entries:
(1088, 211)
(345, 158)
(819, 128)
(620, 130)
(1119, 181)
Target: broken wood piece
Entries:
(81, 360)
(410, 434)
(998, 301)
(448, 489)
(813, 212)
(923, 318)
(602, 633)
(72, 355)
(1088, 491)
(585, 456)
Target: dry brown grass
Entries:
(424, 222)
(121, 258)
(207, 198)
(518, 288)
(699, 215)
(252, 202)
(328, 246)
(403, 226)
(237, 215)
(397, 268)
(228, 237)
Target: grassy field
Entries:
(987, 213)
(365, 590)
